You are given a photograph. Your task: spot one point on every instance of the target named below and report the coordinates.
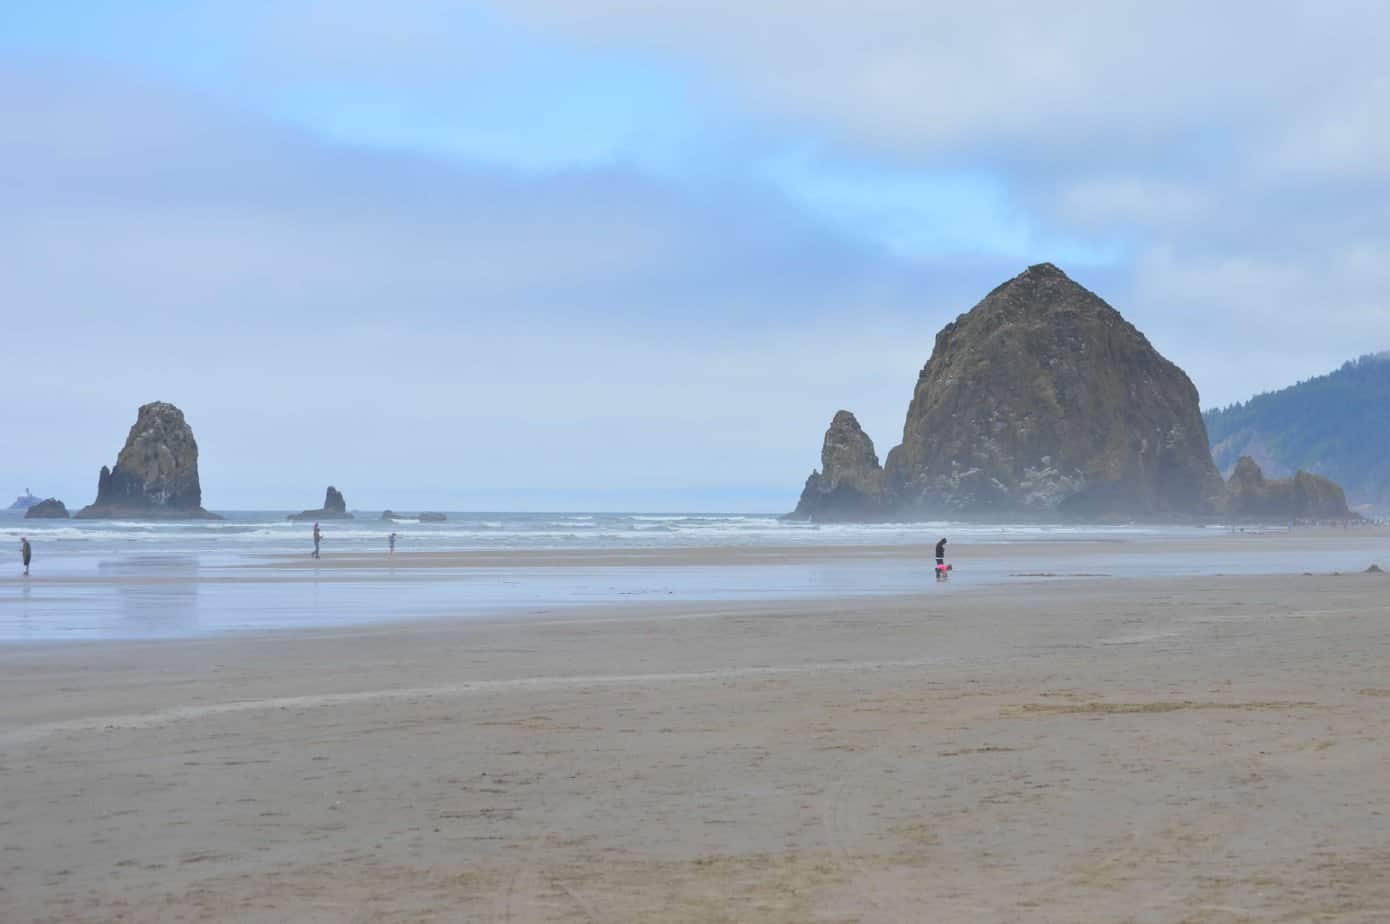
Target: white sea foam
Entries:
(254, 533)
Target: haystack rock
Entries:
(1305, 496)
(334, 508)
(849, 484)
(1040, 402)
(1042, 399)
(156, 473)
(48, 509)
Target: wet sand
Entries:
(1211, 749)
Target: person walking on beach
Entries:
(391, 541)
(941, 552)
(318, 536)
(25, 553)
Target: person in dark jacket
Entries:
(318, 537)
(25, 552)
(941, 552)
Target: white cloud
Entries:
(934, 76)
(382, 320)
(1127, 202)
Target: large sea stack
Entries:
(156, 473)
(1043, 402)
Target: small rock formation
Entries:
(334, 508)
(156, 473)
(1305, 496)
(849, 484)
(49, 509)
(24, 501)
(425, 517)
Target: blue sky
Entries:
(621, 255)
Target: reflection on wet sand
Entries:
(163, 598)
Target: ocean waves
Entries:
(253, 533)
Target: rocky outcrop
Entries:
(156, 472)
(425, 517)
(1305, 496)
(849, 484)
(1041, 402)
(49, 509)
(334, 508)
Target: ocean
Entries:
(105, 579)
(251, 535)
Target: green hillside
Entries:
(1337, 425)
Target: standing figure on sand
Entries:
(318, 537)
(25, 553)
(391, 541)
(943, 570)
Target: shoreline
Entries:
(1106, 749)
(143, 596)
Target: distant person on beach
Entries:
(941, 552)
(318, 537)
(391, 541)
(25, 553)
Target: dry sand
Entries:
(1210, 750)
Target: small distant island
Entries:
(424, 517)
(48, 509)
(334, 508)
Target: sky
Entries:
(623, 255)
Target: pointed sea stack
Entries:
(849, 485)
(156, 473)
(334, 508)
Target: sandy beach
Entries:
(1046, 749)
